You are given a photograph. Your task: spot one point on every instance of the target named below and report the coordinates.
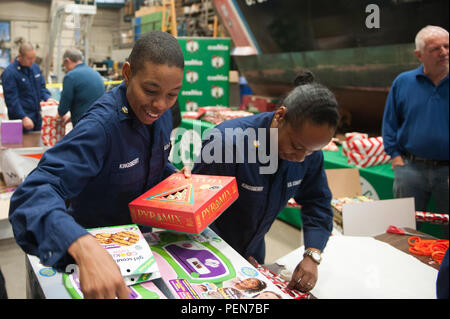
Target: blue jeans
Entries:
(423, 181)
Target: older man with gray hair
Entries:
(82, 86)
(416, 124)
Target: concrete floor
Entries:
(281, 240)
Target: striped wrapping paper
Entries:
(432, 218)
(363, 151)
(368, 146)
(359, 160)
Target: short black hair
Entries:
(312, 101)
(156, 47)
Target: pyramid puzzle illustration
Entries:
(183, 194)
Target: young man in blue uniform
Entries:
(24, 89)
(82, 86)
(117, 151)
(305, 123)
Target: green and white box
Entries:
(206, 72)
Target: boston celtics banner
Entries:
(207, 66)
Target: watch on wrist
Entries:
(315, 255)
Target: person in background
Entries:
(415, 124)
(24, 89)
(82, 86)
(306, 121)
(109, 64)
(115, 153)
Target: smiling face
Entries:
(249, 283)
(152, 90)
(295, 143)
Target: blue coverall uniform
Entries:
(24, 89)
(105, 162)
(262, 197)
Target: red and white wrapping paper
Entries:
(432, 218)
(372, 146)
(363, 151)
(331, 147)
(52, 130)
(359, 160)
(350, 137)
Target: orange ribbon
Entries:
(434, 248)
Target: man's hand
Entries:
(100, 276)
(305, 275)
(27, 123)
(397, 161)
(186, 171)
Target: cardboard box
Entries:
(357, 215)
(184, 205)
(12, 132)
(130, 251)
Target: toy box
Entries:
(183, 204)
(205, 267)
(131, 252)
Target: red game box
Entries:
(183, 204)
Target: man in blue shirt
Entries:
(82, 86)
(305, 123)
(416, 124)
(24, 89)
(117, 151)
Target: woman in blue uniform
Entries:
(118, 150)
(305, 123)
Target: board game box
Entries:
(129, 250)
(183, 204)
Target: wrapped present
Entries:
(219, 114)
(363, 151)
(350, 137)
(255, 103)
(331, 147)
(359, 160)
(193, 115)
(53, 129)
(372, 146)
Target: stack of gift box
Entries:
(364, 151)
